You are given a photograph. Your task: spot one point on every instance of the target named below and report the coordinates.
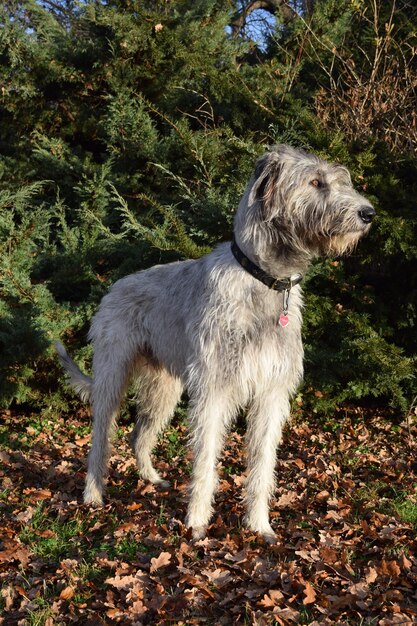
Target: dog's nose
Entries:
(366, 213)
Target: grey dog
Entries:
(225, 327)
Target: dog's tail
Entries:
(79, 381)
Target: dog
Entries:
(226, 328)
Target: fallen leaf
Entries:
(272, 598)
(82, 441)
(67, 593)
(121, 582)
(371, 575)
(287, 499)
(134, 506)
(390, 568)
(161, 561)
(124, 529)
(310, 594)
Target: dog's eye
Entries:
(316, 183)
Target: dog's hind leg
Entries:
(158, 395)
(111, 376)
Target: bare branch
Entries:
(273, 7)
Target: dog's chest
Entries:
(260, 349)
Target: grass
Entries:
(173, 445)
(39, 616)
(50, 538)
(406, 510)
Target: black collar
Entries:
(278, 284)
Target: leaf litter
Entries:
(345, 513)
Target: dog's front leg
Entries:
(209, 417)
(266, 419)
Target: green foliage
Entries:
(128, 132)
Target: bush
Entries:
(129, 132)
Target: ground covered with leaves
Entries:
(345, 513)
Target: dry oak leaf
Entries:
(16, 552)
(399, 618)
(67, 593)
(287, 498)
(124, 529)
(37, 494)
(272, 598)
(310, 594)
(134, 506)
(121, 582)
(26, 516)
(160, 561)
(390, 568)
(371, 575)
(8, 595)
(360, 590)
(82, 441)
(218, 577)
(287, 615)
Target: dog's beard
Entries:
(341, 244)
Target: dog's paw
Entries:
(263, 529)
(198, 532)
(162, 484)
(94, 503)
(93, 498)
(269, 537)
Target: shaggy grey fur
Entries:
(210, 327)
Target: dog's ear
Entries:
(265, 189)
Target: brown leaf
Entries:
(114, 613)
(322, 496)
(310, 594)
(360, 589)
(161, 561)
(4, 457)
(288, 498)
(121, 582)
(390, 568)
(48, 533)
(267, 602)
(134, 506)
(328, 555)
(8, 594)
(38, 494)
(82, 441)
(299, 463)
(406, 563)
(26, 516)
(67, 593)
(273, 598)
(287, 614)
(15, 554)
(371, 575)
(124, 529)
(399, 618)
(218, 577)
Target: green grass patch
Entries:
(50, 538)
(39, 616)
(406, 510)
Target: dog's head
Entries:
(307, 203)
